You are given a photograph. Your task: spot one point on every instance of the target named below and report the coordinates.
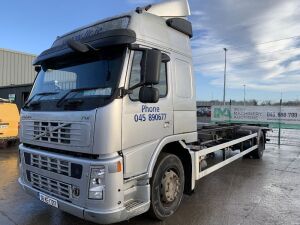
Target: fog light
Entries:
(96, 190)
(76, 192)
(96, 193)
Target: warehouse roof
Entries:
(16, 68)
(17, 52)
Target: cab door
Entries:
(144, 125)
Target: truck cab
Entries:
(107, 99)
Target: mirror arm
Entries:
(136, 47)
(165, 58)
(136, 86)
(37, 69)
(122, 92)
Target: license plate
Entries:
(48, 200)
(3, 126)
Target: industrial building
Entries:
(16, 75)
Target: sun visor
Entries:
(102, 34)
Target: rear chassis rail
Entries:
(200, 154)
(215, 134)
(223, 137)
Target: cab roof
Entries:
(155, 25)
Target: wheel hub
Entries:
(170, 186)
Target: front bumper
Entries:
(102, 217)
(115, 206)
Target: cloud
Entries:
(262, 37)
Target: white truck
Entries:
(110, 129)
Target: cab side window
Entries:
(135, 77)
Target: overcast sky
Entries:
(262, 37)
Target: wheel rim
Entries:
(170, 186)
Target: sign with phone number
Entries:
(149, 114)
(257, 114)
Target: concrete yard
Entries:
(246, 192)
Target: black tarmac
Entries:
(247, 192)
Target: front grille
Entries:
(54, 165)
(57, 133)
(50, 186)
(52, 132)
(51, 164)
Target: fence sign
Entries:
(275, 116)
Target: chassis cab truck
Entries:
(110, 129)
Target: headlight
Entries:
(97, 186)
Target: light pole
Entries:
(225, 67)
(279, 130)
(244, 95)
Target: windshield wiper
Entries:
(30, 103)
(63, 98)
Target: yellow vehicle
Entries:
(9, 122)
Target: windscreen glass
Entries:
(83, 77)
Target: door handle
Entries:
(167, 124)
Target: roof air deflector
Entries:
(171, 8)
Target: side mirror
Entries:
(150, 64)
(149, 95)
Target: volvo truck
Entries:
(110, 128)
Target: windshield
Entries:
(93, 75)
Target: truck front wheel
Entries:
(167, 185)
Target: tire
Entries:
(259, 152)
(167, 185)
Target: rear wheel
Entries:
(258, 153)
(167, 185)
